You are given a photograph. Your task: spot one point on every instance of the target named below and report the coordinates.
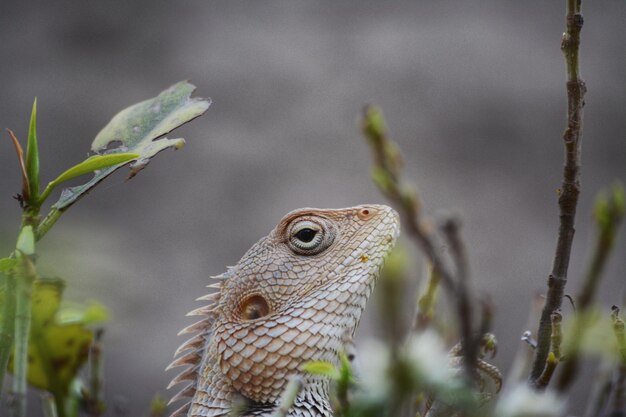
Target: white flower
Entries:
(429, 358)
(522, 401)
(374, 369)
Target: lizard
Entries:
(295, 296)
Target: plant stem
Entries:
(570, 188)
(7, 329)
(47, 223)
(95, 401)
(48, 405)
(386, 175)
(464, 308)
(609, 214)
(26, 275)
(289, 396)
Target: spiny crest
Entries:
(190, 352)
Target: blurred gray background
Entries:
(473, 92)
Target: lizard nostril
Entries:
(254, 307)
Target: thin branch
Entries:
(386, 175)
(94, 402)
(426, 302)
(469, 341)
(570, 187)
(554, 357)
(486, 309)
(619, 329)
(609, 212)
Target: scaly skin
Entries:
(295, 296)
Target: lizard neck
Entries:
(312, 401)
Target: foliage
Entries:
(43, 341)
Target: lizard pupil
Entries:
(306, 235)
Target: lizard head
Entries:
(297, 294)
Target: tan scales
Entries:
(296, 296)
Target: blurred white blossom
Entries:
(429, 358)
(425, 354)
(374, 369)
(522, 401)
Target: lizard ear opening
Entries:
(254, 307)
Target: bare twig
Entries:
(619, 329)
(426, 301)
(570, 188)
(554, 357)
(94, 402)
(386, 175)
(486, 309)
(609, 212)
(469, 341)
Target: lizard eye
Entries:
(309, 238)
(305, 235)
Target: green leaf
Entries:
(32, 155)
(6, 264)
(85, 314)
(140, 129)
(26, 241)
(94, 163)
(58, 346)
(321, 368)
(158, 406)
(90, 164)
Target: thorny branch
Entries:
(570, 187)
